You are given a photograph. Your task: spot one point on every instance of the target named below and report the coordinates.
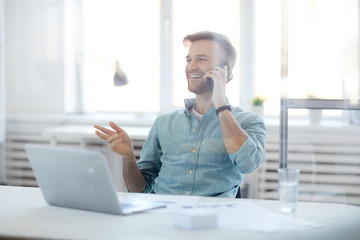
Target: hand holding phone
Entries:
(229, 75)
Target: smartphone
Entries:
(229, 75)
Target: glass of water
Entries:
(288, 188)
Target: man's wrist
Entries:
(223, 108)
(128, 157)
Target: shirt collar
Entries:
(190, 102)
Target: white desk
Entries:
(24, 214)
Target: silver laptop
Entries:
(79, 179)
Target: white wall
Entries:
(34, 56)
(2, 97)
(2, 84)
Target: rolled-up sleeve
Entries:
(252, 153)
(149, 163)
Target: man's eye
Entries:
(188, 60)
(202, 59)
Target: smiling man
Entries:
(206, 148)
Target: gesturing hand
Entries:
(117, 139)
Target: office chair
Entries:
(238, 194)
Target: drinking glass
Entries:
(288, 180)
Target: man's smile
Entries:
(195, 76)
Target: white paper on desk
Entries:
(252, 217)
(171, 200)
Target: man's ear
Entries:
(230, 64)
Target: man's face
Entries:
(203, 55)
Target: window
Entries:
(323, 49)
(128, 32)
(323, 39)
(267, 54)
(115, 31)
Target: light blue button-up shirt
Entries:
(185, 157)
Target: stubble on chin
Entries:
(199, 88)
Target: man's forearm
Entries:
(134, 180)
(234, 136)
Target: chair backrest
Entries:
(238, 194)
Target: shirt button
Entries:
(187, 192)
(190, 172)
(194, 130)
(193, 151)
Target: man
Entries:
(204, 149)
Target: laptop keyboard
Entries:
(127, 205)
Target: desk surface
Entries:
(24, 214)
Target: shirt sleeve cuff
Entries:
(246, 158)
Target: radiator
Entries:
(18, 169)
(328, 159)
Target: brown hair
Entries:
(217, 37)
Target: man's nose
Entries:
(193, 65)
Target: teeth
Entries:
(195, 76)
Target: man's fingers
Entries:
(101, 135)
(115, 127)
(113, 138)
(104, 130)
